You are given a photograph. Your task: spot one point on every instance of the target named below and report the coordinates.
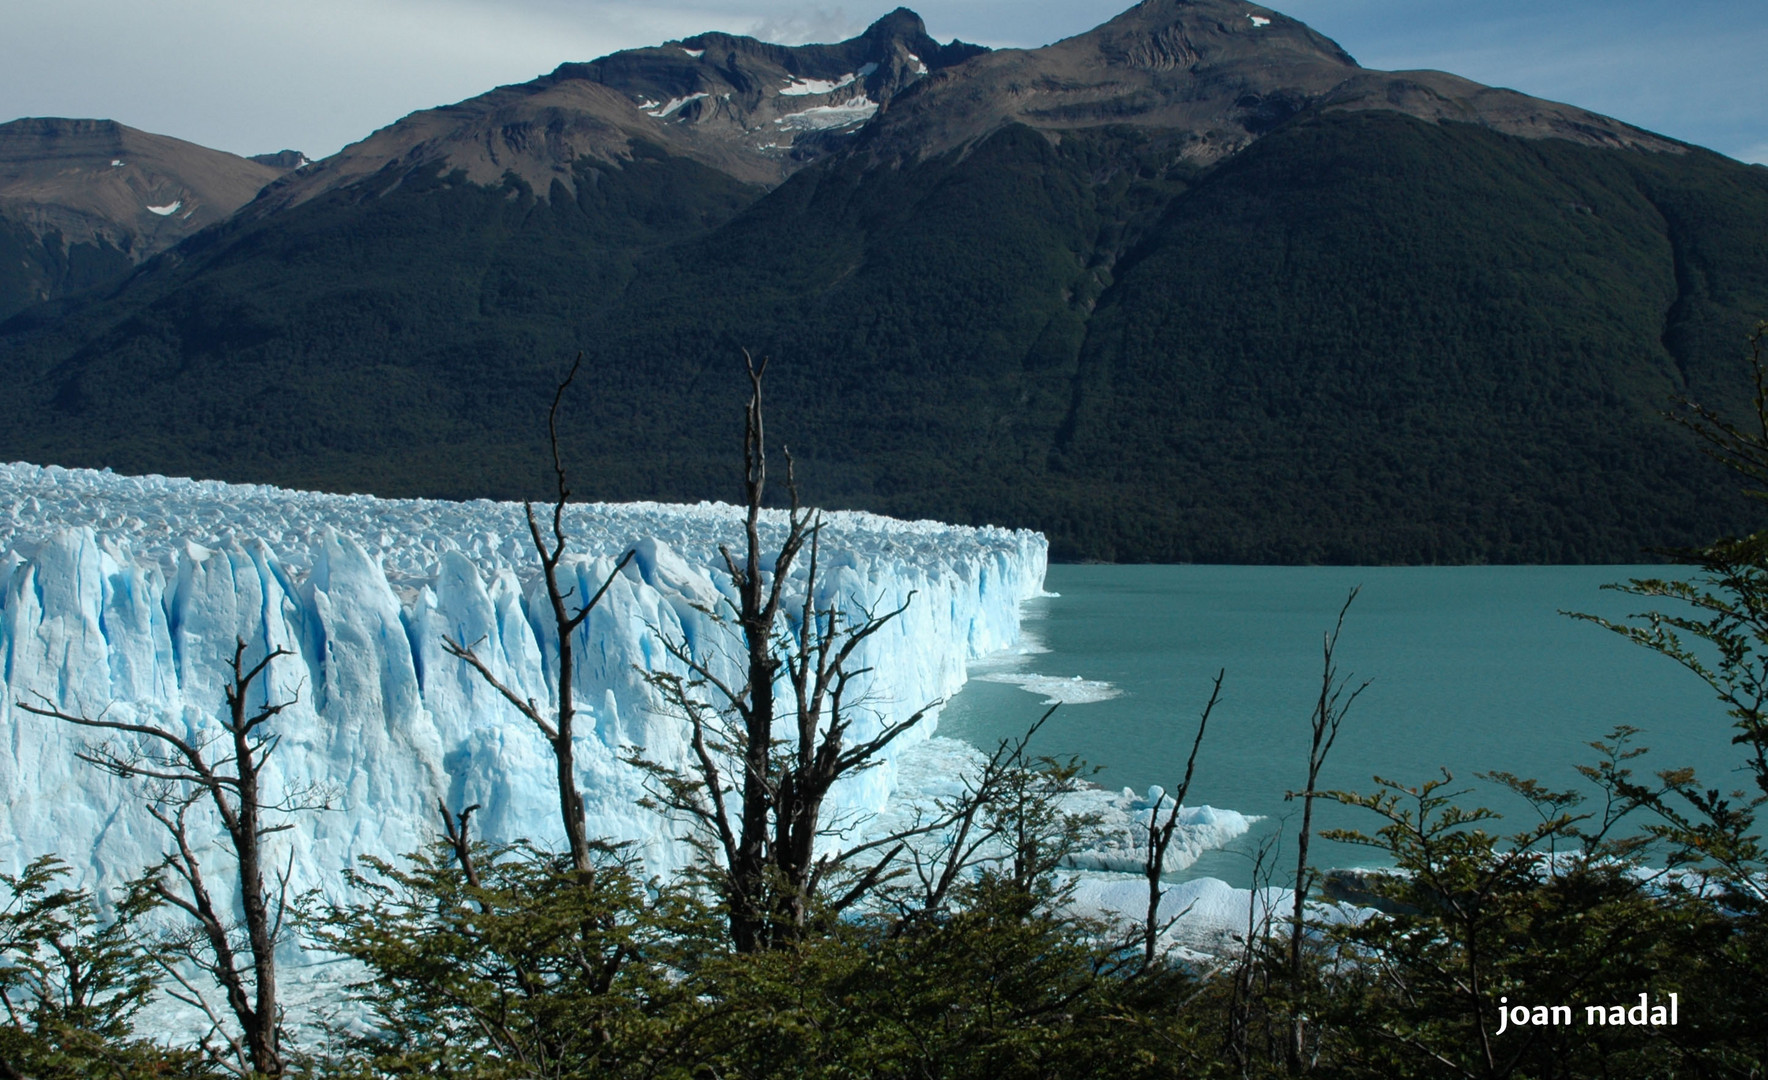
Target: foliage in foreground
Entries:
(508, 962)
(71, 984)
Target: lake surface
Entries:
(1472, 668)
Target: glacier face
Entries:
(124, 595)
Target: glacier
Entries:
(124, 596)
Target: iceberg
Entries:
(125, 595)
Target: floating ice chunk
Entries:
(1259, 20)
(1121, 845)
(942, 769)
(827, 117)
(166, 211)
(695, 53)
(1057, 690)
(674, 104)
(1207, 916)
(116, 162)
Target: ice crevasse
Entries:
(124, 596)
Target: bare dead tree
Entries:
(1160, 834)
(226, 775)
(1329, 713)
(760, 828)
(1250, 970)
(559, 728)
(457, 829)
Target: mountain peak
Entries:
(58, 127)
(899, 24)
(282, 159)
(1173, 33)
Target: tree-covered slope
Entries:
(391, 343)
(1364, 338)
(1369, 338)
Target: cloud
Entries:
(798, 26)
(1692, 71)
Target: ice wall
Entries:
(124, 595)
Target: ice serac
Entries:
(125, 596)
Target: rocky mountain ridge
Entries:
(1219, 72)
(754, 111)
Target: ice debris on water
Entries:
(1056, 690)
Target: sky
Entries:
(254, 76)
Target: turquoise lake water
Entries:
(1473, 668)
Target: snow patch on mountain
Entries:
(674, 104)
(827, 117)
(801, 88)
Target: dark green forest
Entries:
(1365, 339)
(32, 268)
